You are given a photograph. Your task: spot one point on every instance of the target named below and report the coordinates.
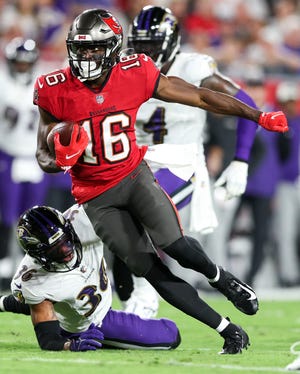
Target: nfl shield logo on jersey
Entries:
(99, 99)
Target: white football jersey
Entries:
(171, 123)
(18, 117)
(161, 122)
(81, 296)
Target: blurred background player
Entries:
(155, 32)
(259, 234)
(258, 199)
(23, 183)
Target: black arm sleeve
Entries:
(12, 305)
(49, 337)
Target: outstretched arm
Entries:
(174, 89)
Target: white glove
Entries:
(234, 179)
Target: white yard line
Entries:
(247, 369)
(262, 369)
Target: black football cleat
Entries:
(235, 342)
(239, 293)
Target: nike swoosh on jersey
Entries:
(250, 291)
(73, 155)
(18, 285)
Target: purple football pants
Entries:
(128, 331)
(15, 198)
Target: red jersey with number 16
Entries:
(107, 114)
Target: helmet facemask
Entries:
(63, 256)
(88, 62)
(49, 238)
(93, 43)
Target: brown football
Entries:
(65, 131)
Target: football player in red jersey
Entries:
(129, 211)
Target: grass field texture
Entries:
(272, 331)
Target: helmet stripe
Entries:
(143, 24)
(148, 20)
(42, 221)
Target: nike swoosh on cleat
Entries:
(73, 155)
(251, 292)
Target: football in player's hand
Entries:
(65, 131)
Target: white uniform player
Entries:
(180, 124)
(169, 123)
(25, 182)
(83, 296)
(19, 117)
(62, 283)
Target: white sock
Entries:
(216, 278)
(2, 309)
(223, 324)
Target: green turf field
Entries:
(271, 331)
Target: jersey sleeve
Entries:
(200, 67)
(23, 287)
(46, 94)
(140, 72)
(82, 225)
(31, 295)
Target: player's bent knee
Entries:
(186, 250)
(178, 251)
(141, 263)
